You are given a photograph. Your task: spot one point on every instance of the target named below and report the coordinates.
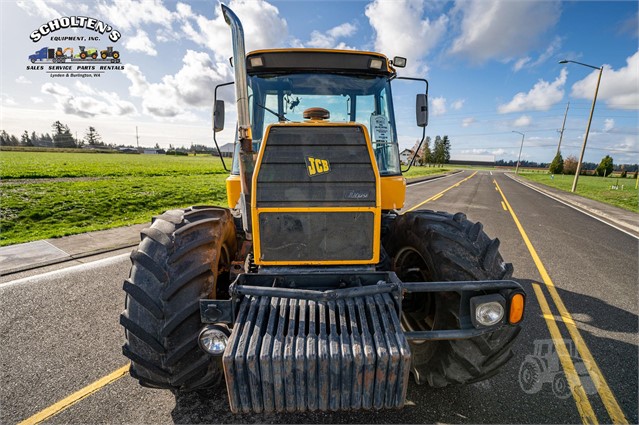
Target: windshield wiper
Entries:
(279, 117)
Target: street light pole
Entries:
(592, 110)
(520, 148)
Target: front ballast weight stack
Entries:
(339, 346)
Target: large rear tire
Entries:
(436, 246)
(184, 256)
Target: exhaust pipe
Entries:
(247, 159)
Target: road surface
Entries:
(61, 341)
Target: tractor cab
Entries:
(289, 87)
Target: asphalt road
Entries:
(59, 329)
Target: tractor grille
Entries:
(290, 355)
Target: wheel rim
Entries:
(411, 266)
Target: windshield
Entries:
(362, 99)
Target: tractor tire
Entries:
(433, 246)
(103, 55)
(115, 55)
(83, 55)
(183, 257)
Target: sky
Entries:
(492, 66)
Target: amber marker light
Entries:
(516, 312)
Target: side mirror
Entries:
(421, 110)
(218, 116)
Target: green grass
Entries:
(597, 188)
(35, 211)
(102, 191)
(35, 165)
(424, 171)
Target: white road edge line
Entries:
(573, 207)
(58, 273)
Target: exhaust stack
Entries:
(247, 159)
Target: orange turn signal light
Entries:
(516, 312)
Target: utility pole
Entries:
(137, 138)
(520, 148)
(592, 110)
(561, 133)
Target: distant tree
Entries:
(13, 141)
(92, 137)
(62, 137)
(570, 165)
(441, 150)
(557, 164)
(46, 140)
(605, 166)
(4, 138)
(425, 153)
(35, 140)
(446, 143)
(25, 140)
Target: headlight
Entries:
(213, 339)
(487, 310)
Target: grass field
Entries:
(597, 188)
(52, 194)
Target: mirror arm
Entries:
(410, 164)
(423, 128)
(219, 153)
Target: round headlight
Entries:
(489, 313)
(213, 340)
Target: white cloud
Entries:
(619, 89)
(609, 124)
(7, 100)
(263, 28)
(131, 14)
(402, 30)
(458, 104)
(523, 121)
(39, 8)
(521, 63)
(95, 103)
(141, 43)
(36, 99)
(540, 98)
(438, 105)
(329, 39)
(467, 122)
(501, 29)
(23, 80)
(477, 151)
(191, 86)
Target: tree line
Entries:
(439, 153)
(606, 166)
(60, 137)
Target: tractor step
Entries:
(293, 355)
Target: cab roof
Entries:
(318, 60)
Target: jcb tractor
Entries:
(311, 291)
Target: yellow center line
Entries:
(67, 402)
(504, 206)
(583, 404)
(440, 194)
(607, 397)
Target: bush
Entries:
(570, 165)
(557, 164)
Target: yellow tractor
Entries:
(311, 291)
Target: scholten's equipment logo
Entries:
(68, 55)
(317, 166)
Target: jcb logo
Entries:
(317, 166)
